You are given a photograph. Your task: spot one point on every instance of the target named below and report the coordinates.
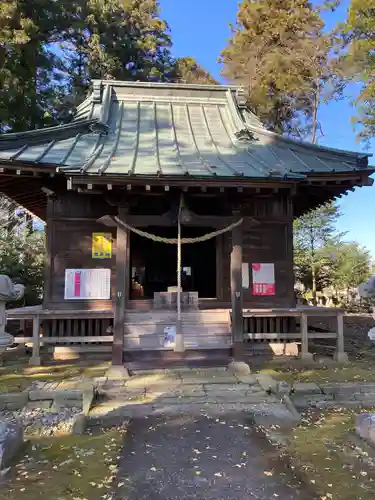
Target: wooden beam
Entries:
(219, 267)
(122, 286)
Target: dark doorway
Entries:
(154, 265)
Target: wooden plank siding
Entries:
(267, 237)
(71, 222)
(267, 242)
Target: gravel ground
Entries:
(42, 422)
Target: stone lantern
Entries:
(8, 292)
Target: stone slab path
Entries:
(211, 390)
(195, 458)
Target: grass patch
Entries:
(66, 468)
(19, 377)
(323, 454)
(359, 371)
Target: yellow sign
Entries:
(101, 245)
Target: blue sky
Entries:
(200, 28)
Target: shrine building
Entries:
(137, 162)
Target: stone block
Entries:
(239, 368)
(366, 399)
(307, 388)
(290, 406)
(44, 404)
(40, 395)
(79, 424)
(302, 401)
(284, 349)
(345, 395)
(187, 391)
(14, 401)
(247, 379)
(367, 388)
(365, 427)
(225, 387)
(267, 383)
(11, 442)
(329, 404)
(65, 402)
(88, 397)
(283, 387)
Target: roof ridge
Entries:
(174, 85)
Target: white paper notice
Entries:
(83, 284)
(245, 275)
(169, 336)
(263, 279)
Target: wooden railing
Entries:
(66, 328)
(280, 325)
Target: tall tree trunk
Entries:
(315, 114)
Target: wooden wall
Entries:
(268, 241)
(70, 223)
(267, 237)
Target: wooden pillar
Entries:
(48, 264)
(340, 354)
(122, 285)
(236, 292)
(305, 355)
(35, 357)
(219, 267)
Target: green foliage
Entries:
(187, 70)
(279, 53)
(313, 232)
(359, 36)
(322, 259)
(51, 51)
(351, 266)
(21, 252)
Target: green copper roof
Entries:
(146, 129)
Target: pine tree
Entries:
(118, 39)
(279, 54)
(312, 233)
(359, 36)
(30, 70)
(188, 70)
(50, 51)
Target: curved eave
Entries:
(16, 140)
